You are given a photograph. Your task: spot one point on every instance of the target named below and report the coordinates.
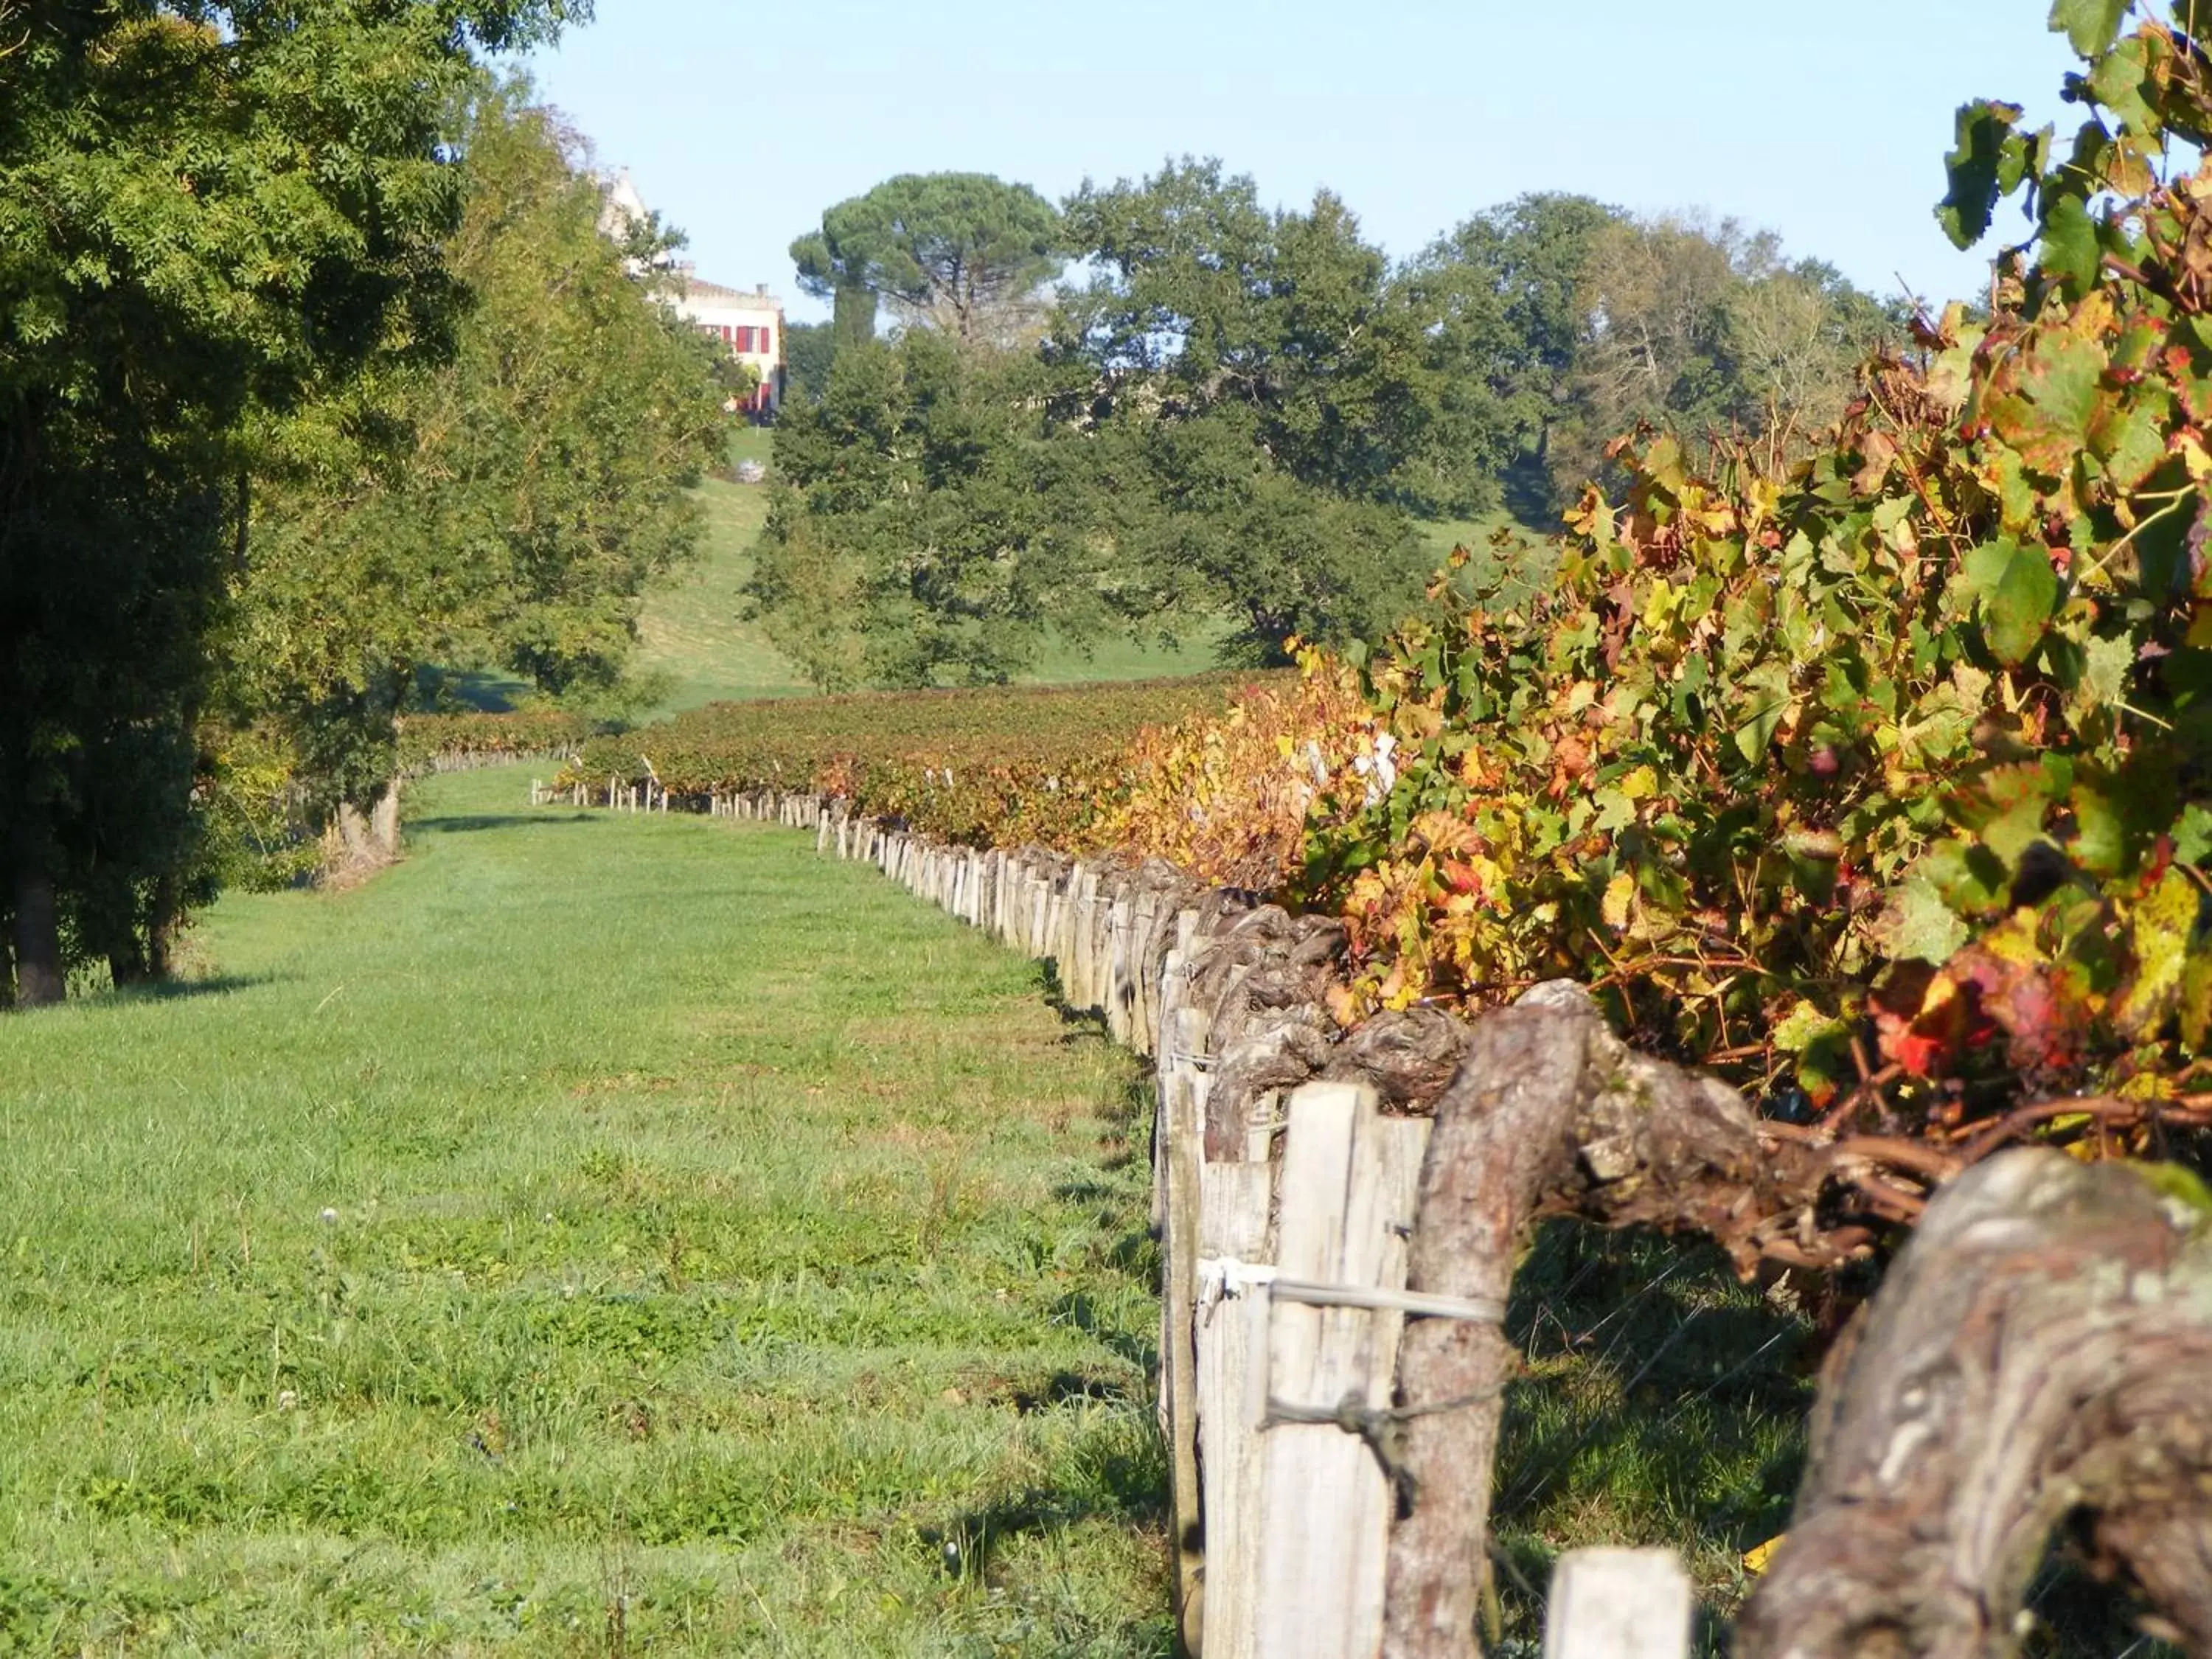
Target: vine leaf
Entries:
(2165, 925)
(1988, 149)
(2090, 26)
(2016, 591)
(1921, 927)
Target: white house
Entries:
(750, 323)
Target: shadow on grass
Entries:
(1081, 1023)
(1125, 1482)
(174, 990)
(465, 823)
(1663, 1403)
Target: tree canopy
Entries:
(312, 363)
(1244, 412)
(502, 508)
(964, 253)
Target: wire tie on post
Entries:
(1226, 1276)
(1383, 1428)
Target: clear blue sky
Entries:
(1826, 123)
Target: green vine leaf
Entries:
(1987, 149)
(1920, 926)
(2090, 26)
(2014, 591)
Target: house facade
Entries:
(750, 322)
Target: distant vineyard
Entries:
(428, 740)
(994, 766)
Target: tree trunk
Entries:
(366, 840)
(1549, 1114)
(128, 964)
(2041, 1352)
(164, 925)
(38, 978)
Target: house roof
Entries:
(698, 287)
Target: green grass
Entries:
(693, 635)
(1660, 1403)
(595, 1235)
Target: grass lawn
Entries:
(596, 1235)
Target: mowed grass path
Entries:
(597, 1234)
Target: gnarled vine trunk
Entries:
(2041, 1353)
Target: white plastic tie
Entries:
(1226, 1276)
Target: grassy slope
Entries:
(595, 1232)
(694, 631)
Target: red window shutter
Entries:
(767, 336)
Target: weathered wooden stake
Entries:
(1617, 1604)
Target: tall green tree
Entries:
(1276, 403)
(807, 350)
(927, 526)
(204, 208)
(962, 252)
(504, 508)
(1505, 291)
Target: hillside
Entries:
(694, 637)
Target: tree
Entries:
(205, 209)
(962, 252)
(807, 350)
(501, 509)
(1706, 330)
(926, 526)
(1278, 403)
(1507, 287)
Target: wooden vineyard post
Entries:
(1144, 917)
(1231, 1352)
(1348, 1197)
(1038, 941)
(1120, 965)
(1617, 1604)
(1182, 1134)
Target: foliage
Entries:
(205, 209)
(1507, 289)
(1705, 331)
(1000, 766)
(1226, 794)
(962, 252)
(923, 529)
(1900, 752)
(808, 350)
(1243, 411)
(1204, 303)
(503, 509)
(426, 740)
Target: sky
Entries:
(1825, 122)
